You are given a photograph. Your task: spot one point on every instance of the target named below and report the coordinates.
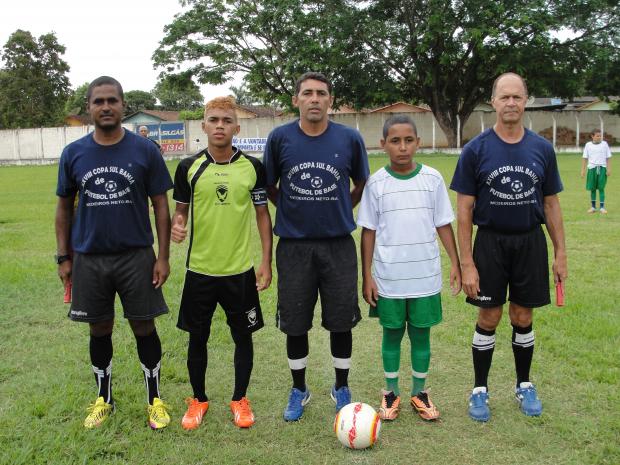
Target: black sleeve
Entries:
(182, 189)
(258, 192)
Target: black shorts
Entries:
(308, 267)
(97, 278)
(517, 262)
(236, 294)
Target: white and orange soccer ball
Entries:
(357, 425)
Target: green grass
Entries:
(46, 381)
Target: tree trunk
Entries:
(448, 125)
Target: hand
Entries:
(455, 279)
(161, 270)
(608, 172)
(370, 291)
(560, 268)
(470, 280)
(178, 232)
(64, 272)
(263, 276)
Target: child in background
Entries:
(597, 157)
(404, 207)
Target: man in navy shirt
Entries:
(310, 164)
(106, 246)
(507, 183)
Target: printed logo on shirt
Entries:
(314, 181)
(512, 185)
(107, 185)
(222, 192)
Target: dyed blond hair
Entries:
(221, 103)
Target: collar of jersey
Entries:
(236, 154)
(404, 176)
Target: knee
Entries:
(520, 316)
(142, 328)
(241, 338)
(101, 328)
(489, 318)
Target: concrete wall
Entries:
(44, 145)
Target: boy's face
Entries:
(597, 137)
(220, 125)
(401, 144)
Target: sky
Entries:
(115, 37)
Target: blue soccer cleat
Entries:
(341, 396)
(528, 400)
(479, 405)
(296, 402)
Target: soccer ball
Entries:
(517, 186)
(110, 186)
(357, 425)
(316, 182)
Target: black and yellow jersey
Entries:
(221, 198)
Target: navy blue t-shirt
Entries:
(113, 183)
(509, 181)
(314, 174)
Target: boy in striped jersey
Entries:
(404, 207)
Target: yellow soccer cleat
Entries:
(158, 414)
(98, 413)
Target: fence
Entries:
(44, 145)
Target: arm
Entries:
(272, 194)
(446, 235)
(369, 287)
(161, 270)
(179, 230)
(263, 222)
(63, 220)
(608, 166)
(465, 221)
(356, 193)
(584, 163)
(555, 228)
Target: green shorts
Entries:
(597, 178)
(421, 312)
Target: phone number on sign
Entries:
(173, 147)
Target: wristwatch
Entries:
(61, 258)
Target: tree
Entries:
(33, 83)
(178, 92)
(444, 53)
(271, 42)
(196, 114)
(139, 100)
(76, 103)
(243, 96)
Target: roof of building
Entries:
(404, 106)
(84, 119)
(261, 111)
(162, 115)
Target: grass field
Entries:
(46, 382)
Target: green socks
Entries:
(390, 351)
(420, 356)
